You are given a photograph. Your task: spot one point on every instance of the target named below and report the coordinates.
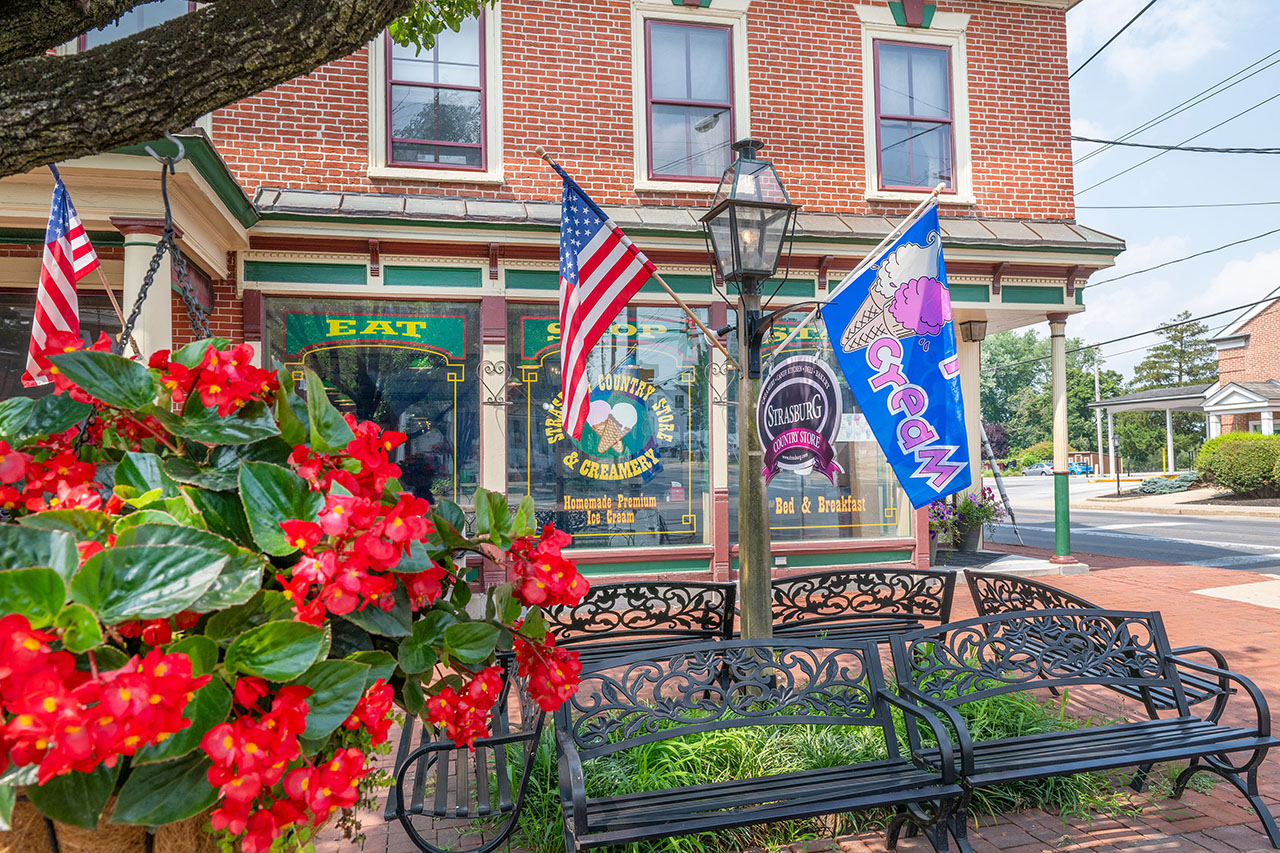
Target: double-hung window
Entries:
(689, 100)
(914, 116)
(436, 101)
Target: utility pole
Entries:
(1097, 397)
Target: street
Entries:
(1251, 544)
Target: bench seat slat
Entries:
(461, 783)
(442, 785)
(482, 779)
(402, 752)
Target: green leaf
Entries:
(451, 513)
(274, 450)
(414, 701)
(277, 651)
(337, 686)
(76, 798)
(461, 595)
(184, 471)
(292, 429)
(329, 431)
(143, 471)
(252, 422)
(534, 626)
(266, 606)
(348, 639)
(526, 519)
(417, 651)
(272, 494)
(210, 706)
(20, 546)
(7, 797)
(192, 355)
(145, 581)
(471, 642)
(202, 651)
(417, 560)
(113, 379)
(239, 579)
(55, 413)
(14, 413)
(158, 794)
(37, 594)
(81, 629)
(80, 523)
(110, 659)
(144, 517)
(388, 623)
(381, 665)
(223, 513)
(20, 777)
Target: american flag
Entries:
(600, 271)
(68, 257)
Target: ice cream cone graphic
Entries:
(872, 320)
(611, 423)
(906, 298)
(611, 433)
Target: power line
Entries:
(1134, 335)
(1193, 101)
(1193, 148)
(1113, 38)
(1187, 258)
(1173, 206)
(1183, 142)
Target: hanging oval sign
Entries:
(798, 417)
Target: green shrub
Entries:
(1041, 451)
(1242, 462)
(1168, 485)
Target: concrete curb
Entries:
(1120, 506)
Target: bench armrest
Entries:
(573, 789)
(1225, 675)
(946, 756)
(963, 741)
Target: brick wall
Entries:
(1259, 360)
(567, 84)
(227, 320)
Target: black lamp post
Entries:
(747, 225)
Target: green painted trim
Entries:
(303, 273)
(1061, 515)
(406, 276)
(532, 280)
(1032, 295)
(701, 3)
(969, 292)
(692, 564)
(1079, 295)
(836, 559)
(34, 236)
(802, 287)
(680, 283)
(212, 168)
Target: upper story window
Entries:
(914, 116)
(689, 100)
(436, 101)
(136, 20)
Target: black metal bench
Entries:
(994, 593)
(451, 782)
(865, 604)
(1011, 652)
(703, 687)
(620, 618)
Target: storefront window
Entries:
(640, 475)
(407, 366)
(863, 502)
(16, 311)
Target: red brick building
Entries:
(1247, 395)
(385, 222)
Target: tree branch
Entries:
(31, 27)
(58, 107)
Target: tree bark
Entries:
(55, 108)
(32, 27)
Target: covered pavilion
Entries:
(1183, 398)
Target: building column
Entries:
(493, 413)
(1268, 423)
(718, 448)
(154, 329)
(1061, 498)
(1171, 462)
(1215, 426)
(1111, 443)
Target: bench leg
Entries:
(1139, 780)
(900, 819)
(914, 818)
(1247, 786)
(1184, 778)
(959, 825)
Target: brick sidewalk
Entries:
(1216, 821)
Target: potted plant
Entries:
(214, 595)
(974, 511)
(942, 527)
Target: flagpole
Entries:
(711, 336)
(866, 262)
(106, 285)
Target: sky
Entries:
(1175, 50)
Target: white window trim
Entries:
(730, 13)
(493, 172)
(947, 30)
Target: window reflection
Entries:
(136, 20)
(436, 100)
(17, 308)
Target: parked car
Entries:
(1079, 468)
(1039, 469)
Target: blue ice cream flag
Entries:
(892, 333)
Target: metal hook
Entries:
(169, 161)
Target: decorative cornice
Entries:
(127, 225)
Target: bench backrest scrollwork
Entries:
(619, 612)
(995, 593)
(845, 596)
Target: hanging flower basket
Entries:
(214, 597)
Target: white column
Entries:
(970, 358)
(1268, 423)
(1111, 444)
(1215, 426)
(1097, 413)
(1058, 358)
(1172, 462)
(154, 330)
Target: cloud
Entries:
(1172, 37)
(1081, 126)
